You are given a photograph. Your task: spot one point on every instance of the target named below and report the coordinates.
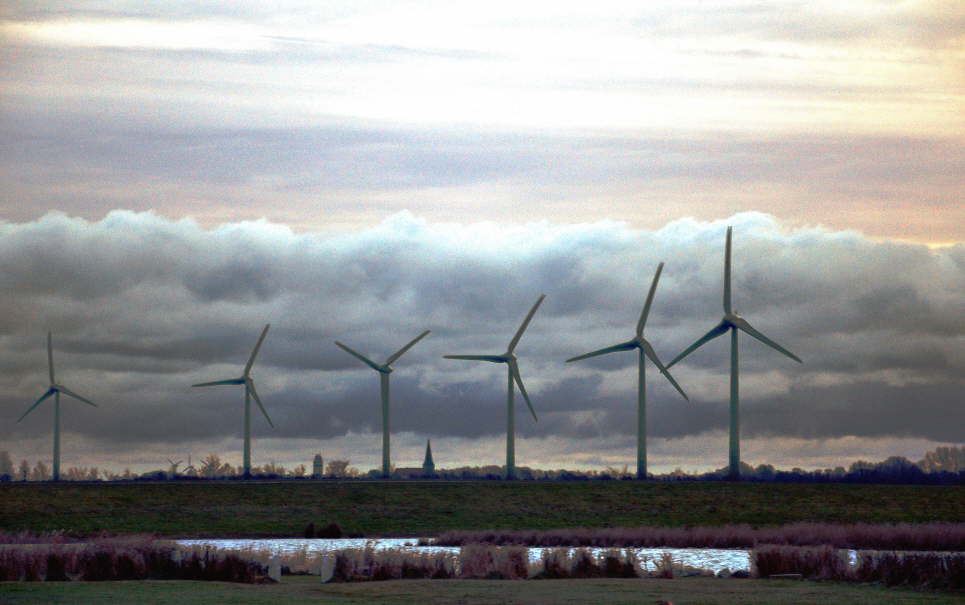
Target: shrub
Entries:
(820, 562)
(331, 531)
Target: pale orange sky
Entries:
(849, 116)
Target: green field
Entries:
(297, 590)
(410, 508)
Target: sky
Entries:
(175, 176)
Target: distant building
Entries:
(318, 467)
(428, 468)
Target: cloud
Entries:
(279, 139)
(142, 306)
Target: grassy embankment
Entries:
(410, 508)
(297, 590)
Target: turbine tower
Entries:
(250, 393)
(513, 376)
(384, 370)
(55, 390)
(644, 350)
(732, 322)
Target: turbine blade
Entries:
(623, 346)
(67, 391)
(716, 331)
(741, 323)
(401, 351)
(360, 357)
(254, 353)
(211, 384)
(50, 357)
(727, 305)
(656, 361)
(49, 392)
(646, 306)
(514, 371)
(250, 385)
(522, 327)
(492, 358)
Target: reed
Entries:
(121, 558)
(812, 562)
(900, 536)
(484, 561)
(933, 570)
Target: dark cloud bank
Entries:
(141, 307)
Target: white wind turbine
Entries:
(384, 370)
(55, 390)
(173, 468)
(644, 350)
(513, 376)
(732, 322)
(250, 393)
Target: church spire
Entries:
(428, 466)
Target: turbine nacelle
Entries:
(245, 377)
(638, 341)
(382, 368)
(509, 358)
(54, 387)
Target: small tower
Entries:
(428, 466)
(318, 467)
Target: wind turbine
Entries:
(250, 393)
(384, 370)
(732, 322)
(513, 376)
(173, 469)
(55, 390)
(644, 350)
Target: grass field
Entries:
(410, 508)
(297, 590)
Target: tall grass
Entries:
(900, 536)
(120, 558)
(474, 561)
(945, 571)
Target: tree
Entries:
(337, 468)
(40, 472)
(6, 465)
(211, 466)
(944, 459)
(299, 471)
(272, 469)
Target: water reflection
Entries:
(711, 559)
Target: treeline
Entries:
(943, 466)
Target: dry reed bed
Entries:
(481, 561)
(932, 570)
(942, 571)
(901, 536)
(52, 557)
(120, 558)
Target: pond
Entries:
(711, 559)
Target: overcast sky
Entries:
(172, 178)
